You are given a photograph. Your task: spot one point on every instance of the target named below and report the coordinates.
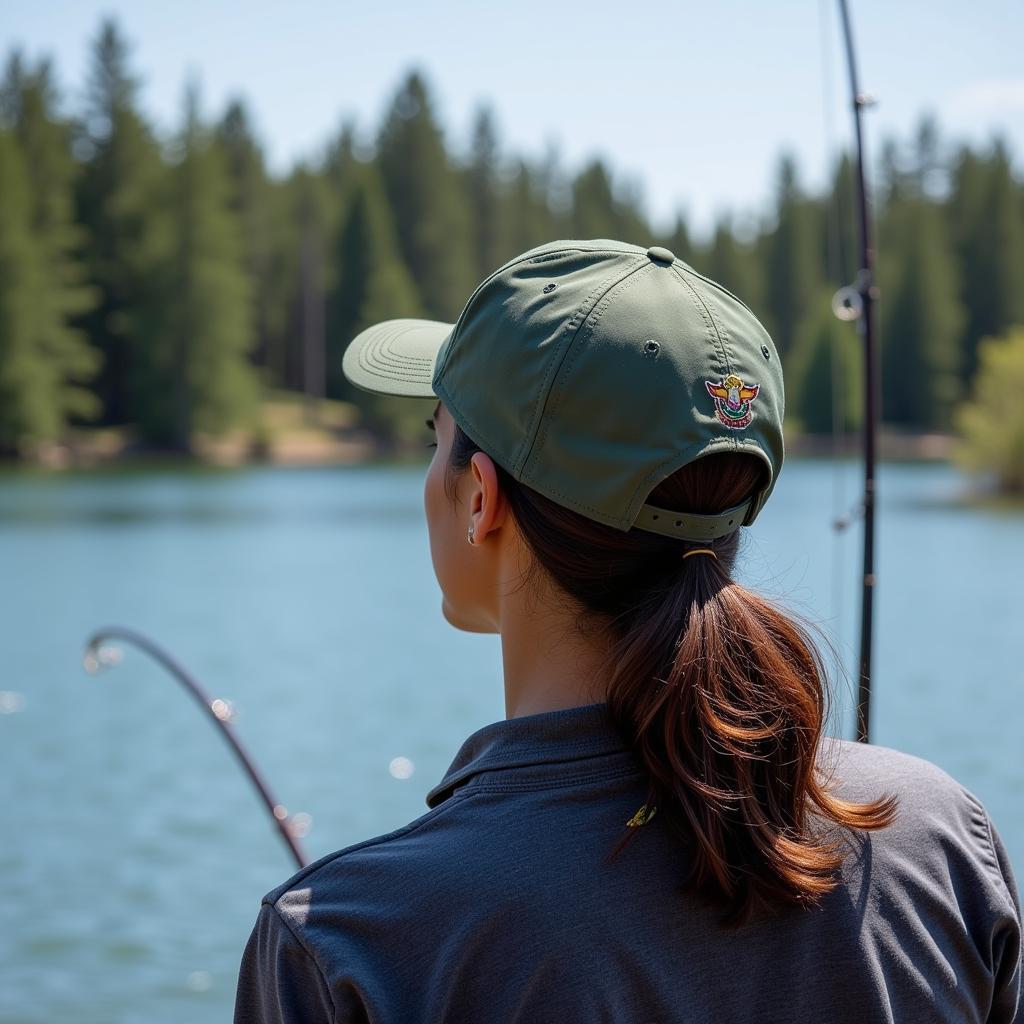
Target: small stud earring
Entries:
(471, 529)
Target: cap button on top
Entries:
(659, 252)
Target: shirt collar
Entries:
(548, 737)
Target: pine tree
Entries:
(336, 173)
(921, 318)
(594, 213)
(989, 231)
(341, 164)
(254, 203)
(824, 378)
(840, 255)
(634, 226)
(794, 273)
(929, 172)
(485, 197)
(29, 105)
(732, 264)
(28, 411)
(310, 205)
(896, 183)
(372, 282)
(121, 202)
(423, 190)
(200, 375)
(679, 241)
(530, 219)
(555, 190)
(598, 213)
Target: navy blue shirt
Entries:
(500, 904)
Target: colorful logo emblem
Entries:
(732, 400)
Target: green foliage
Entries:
(199, 377)
(732, 264)
(372, 282)
(160, 282)
(824, 373)
(921, 318)
(987, 219)
(27, 410)
(679, 242)
(485, 197)
(793, 259)
(531, 220)
(253, 200)
(840, 239)
(28, 101)
(991, 423)
(122, 205)
(423, 191)
(599, 210)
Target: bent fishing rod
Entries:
(856, 302)
(98, 656)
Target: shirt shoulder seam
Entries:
(983, 826)
(275, 895)
(304, 946)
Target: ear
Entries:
(488, 507)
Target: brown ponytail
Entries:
(720, 695)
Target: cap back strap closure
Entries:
(691, 525)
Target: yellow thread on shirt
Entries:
(642, 817)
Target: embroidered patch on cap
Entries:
(732, 400)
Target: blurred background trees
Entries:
(167, 285)
(991, 423)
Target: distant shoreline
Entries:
(108, 448)
(892, 446)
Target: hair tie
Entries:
(700, 551)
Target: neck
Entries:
(548, 665)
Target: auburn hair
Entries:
(721, 696)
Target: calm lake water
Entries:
(133, 853)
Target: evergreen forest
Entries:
(169, 285)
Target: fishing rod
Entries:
(856, 302)
(98, 656)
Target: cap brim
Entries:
(396, 357)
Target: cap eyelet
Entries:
(549, 288)
(765, 352)
(651, 347)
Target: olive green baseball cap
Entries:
(590, 370)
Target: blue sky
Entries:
(692, 101)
